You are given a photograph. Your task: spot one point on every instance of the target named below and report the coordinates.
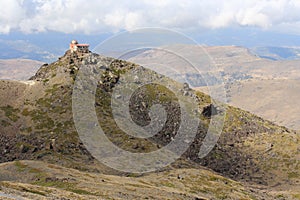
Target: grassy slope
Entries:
(47, 180)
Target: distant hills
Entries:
(277, 53)
(22, 49)
(18, 69)
(46, 47)
(268, 87)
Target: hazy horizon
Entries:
(41, 30)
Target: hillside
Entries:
(253, 159)
(242, 72)
(277, 53)
(18, 69)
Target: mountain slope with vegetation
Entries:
(253, 159)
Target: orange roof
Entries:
(83, 45)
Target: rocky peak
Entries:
(66, 66)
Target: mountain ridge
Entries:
(37, 125)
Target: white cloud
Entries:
(95, 16)
(252, 17)
(11, 13)
(132, 20)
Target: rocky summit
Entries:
(43, 157)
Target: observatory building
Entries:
(76, 47)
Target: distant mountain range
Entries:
(21, 49)
(18, 69)
(277, 53)
(46, 47)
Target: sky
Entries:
(216, 22)
(99, 16)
